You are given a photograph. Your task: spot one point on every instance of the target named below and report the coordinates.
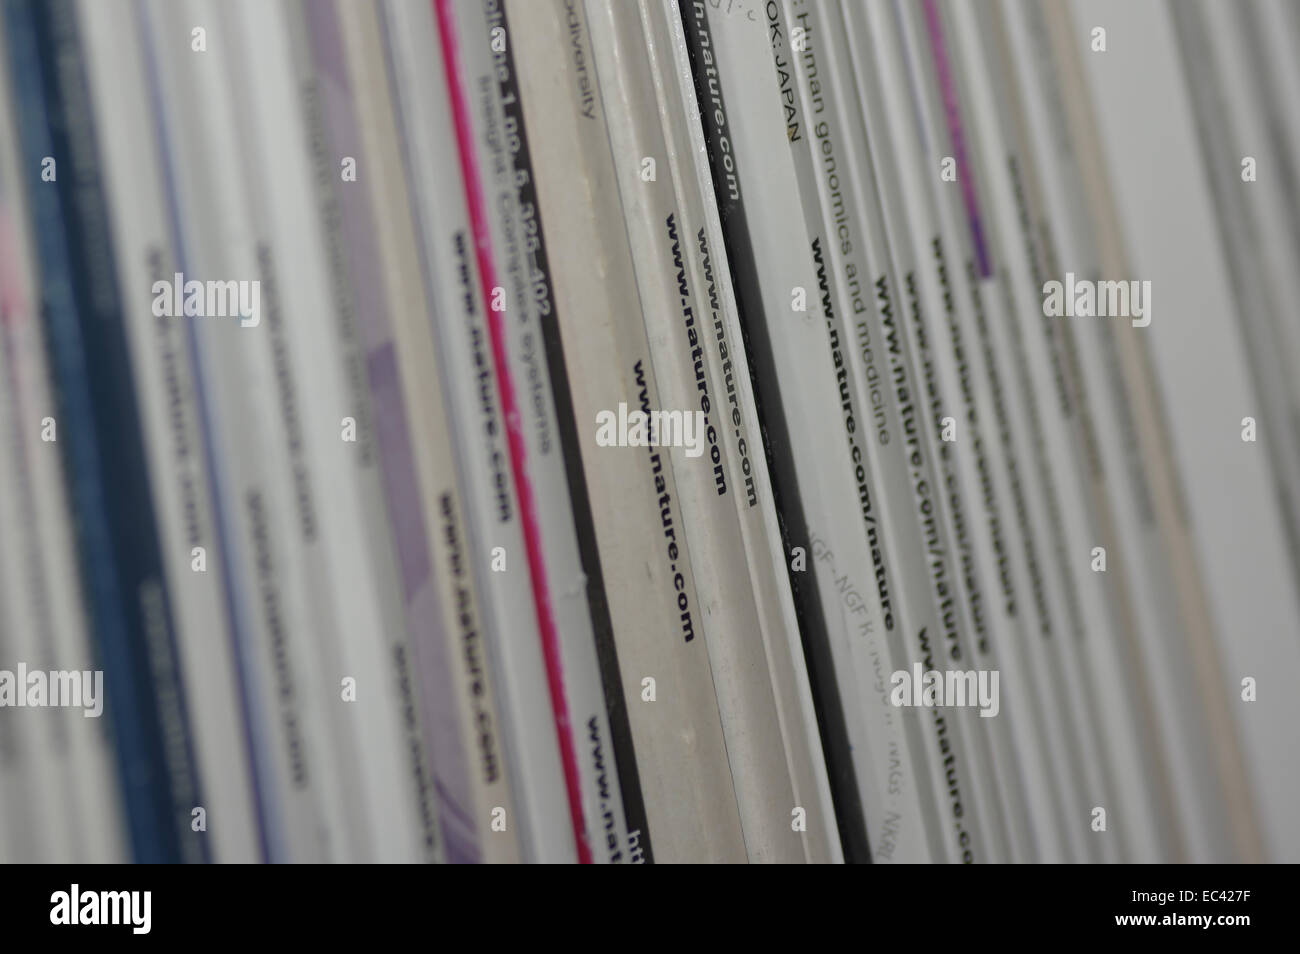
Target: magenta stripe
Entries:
(514, 425)
(952, 113)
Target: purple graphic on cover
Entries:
(433, 671)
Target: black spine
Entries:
(629, 779)
(775, 432)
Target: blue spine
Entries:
(100, 435)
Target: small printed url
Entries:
(1203, 921)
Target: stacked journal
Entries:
(649, 430)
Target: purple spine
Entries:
(432, 668)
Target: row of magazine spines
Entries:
(75, 431)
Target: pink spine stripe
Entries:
(514, 425)
(952, 113)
